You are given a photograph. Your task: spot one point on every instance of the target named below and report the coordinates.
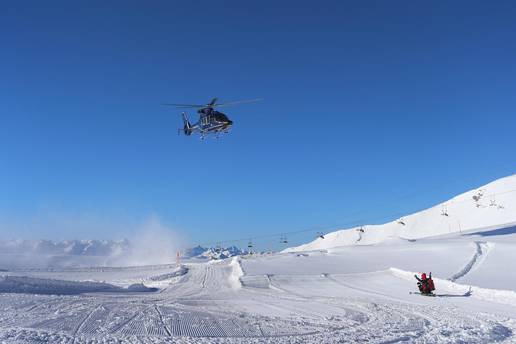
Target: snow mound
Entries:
(490, 207)
(140, 287)
(507, 297)
(180, 271)
(31, 285)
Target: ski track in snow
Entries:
(478, 257)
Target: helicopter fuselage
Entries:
(210, 121)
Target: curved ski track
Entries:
(478, 257)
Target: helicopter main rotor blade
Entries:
(212, 103)
(238, 102)
(185, 105)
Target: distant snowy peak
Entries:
(194, 251)
(66, 247)
(490, 206)
(213, 252)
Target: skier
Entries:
(425, 285)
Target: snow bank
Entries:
(31, 285)
(507, 297)
(139, 288)
(180, 271)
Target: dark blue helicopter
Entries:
(210, 120)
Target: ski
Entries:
(419, 293)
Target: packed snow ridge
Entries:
(492, 206)
(42, 286)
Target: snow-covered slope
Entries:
(488, 207)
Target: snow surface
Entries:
(337, 292)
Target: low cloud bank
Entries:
(152, 242)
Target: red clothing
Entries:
(425, 285)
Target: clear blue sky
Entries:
(371, 108)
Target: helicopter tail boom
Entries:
(187, 128)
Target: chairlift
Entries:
(250, 244)
(478, 196)
(320, 235)
(400, 221)
(283, 240)
(444, 210)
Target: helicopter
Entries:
(210, 120)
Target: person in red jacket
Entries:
(425, 284)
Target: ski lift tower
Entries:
(178, 258)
